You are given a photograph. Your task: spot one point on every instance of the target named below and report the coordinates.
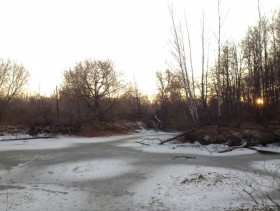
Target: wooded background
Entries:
(242, 85)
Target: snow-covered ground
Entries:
(41, 197)
(62, 185)
(172, 187)
(183, 187)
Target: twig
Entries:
(207, 149)
(275, 203)
(251, 196)
(9, 207)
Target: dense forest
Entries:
(242, 86)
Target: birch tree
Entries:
(179, 54)
(203, 84)
(219, 62)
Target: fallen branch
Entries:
(30, 138)
(141, 142)
(182, 156)
(183, 134)
(233, 148)
(148, 139)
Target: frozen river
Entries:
(115, 173)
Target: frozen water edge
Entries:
(152, 146)
(274, 148)
(65, 141)
(271, 166)
(193, 149)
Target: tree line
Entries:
(242, 85)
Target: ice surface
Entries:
(165, 187)
(88, 170)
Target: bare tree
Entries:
(95, 84)
(219, 62)
(190, 56)
(131, 101)
(13, 78)
(259, 54)
(170, 100)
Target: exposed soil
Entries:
(86, 130)
(109, 129)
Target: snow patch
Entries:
(87, 170)
(182, 187)
(41, 197)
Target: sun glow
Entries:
(260, 101)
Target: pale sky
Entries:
(48, 36)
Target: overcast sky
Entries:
(48, 36)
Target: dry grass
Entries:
(108, 129)
(100, 133)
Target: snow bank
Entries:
(34, 144)
(8, 136)
(269, 148)
(182, 187)
(65, 141)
